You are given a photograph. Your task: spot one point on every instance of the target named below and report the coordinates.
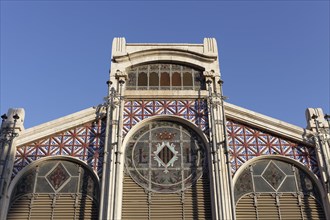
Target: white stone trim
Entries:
(56, 125)
(267, 123)
(234, 112)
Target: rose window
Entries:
(165, 157)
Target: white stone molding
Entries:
(267, 123)
(57, 125)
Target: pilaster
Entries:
(317, 122)
(12, 125)
(223, 199)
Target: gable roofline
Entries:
(57, 125)
(233, 112)
(266, 123)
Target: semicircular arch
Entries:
(265, 183)
(48, 186)
(166, 55)
(171, 118)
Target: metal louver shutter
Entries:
(290, 207)
(312, 209)
(245, 209)
(196, 202)
(135, 201)
(287, 207)
(267, 208)
(48, 206)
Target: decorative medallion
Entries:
(58, 176)
(165, 157)
(273, 175)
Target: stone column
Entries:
(12, 125)
(317, 123)
(121, 77)
(111, 194)
(221, 176)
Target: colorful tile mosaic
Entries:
(192, 110)
(246, 143)
(85, 142)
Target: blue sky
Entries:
(55, 55)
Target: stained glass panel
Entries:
(274, 176)
(157, 163)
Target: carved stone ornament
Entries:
(121, 75)
(209, 73)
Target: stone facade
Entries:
(165, 144)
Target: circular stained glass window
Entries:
(165, 157)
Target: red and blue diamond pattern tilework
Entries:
(246, 143)
(85, 142)
(192, 110)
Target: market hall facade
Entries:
(165, 145)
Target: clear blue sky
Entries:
(55, 55)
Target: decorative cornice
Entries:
(166, 51)
(57, 125)
(266, 123)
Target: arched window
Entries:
(165, 76)
(176, 80)
(187, 80)
(166, 174)
(55, 189)
(165, 81)
(143, 79)
(153, 80)
(274, 189)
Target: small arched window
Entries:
(274, 189)
(55, 189)
(176, 80)
(143, 79)
(165, 77)
(153, 80)
(165, 81)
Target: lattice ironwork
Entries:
(246, 143)
(192, 110)
(85, 142)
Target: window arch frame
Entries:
(183, 122)
(31, 166)
(175, 119)
(322, 199)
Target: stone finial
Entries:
(13, 114)
(315, 115)
(118, 46)
(210, 46)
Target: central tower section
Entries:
(165, 132)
